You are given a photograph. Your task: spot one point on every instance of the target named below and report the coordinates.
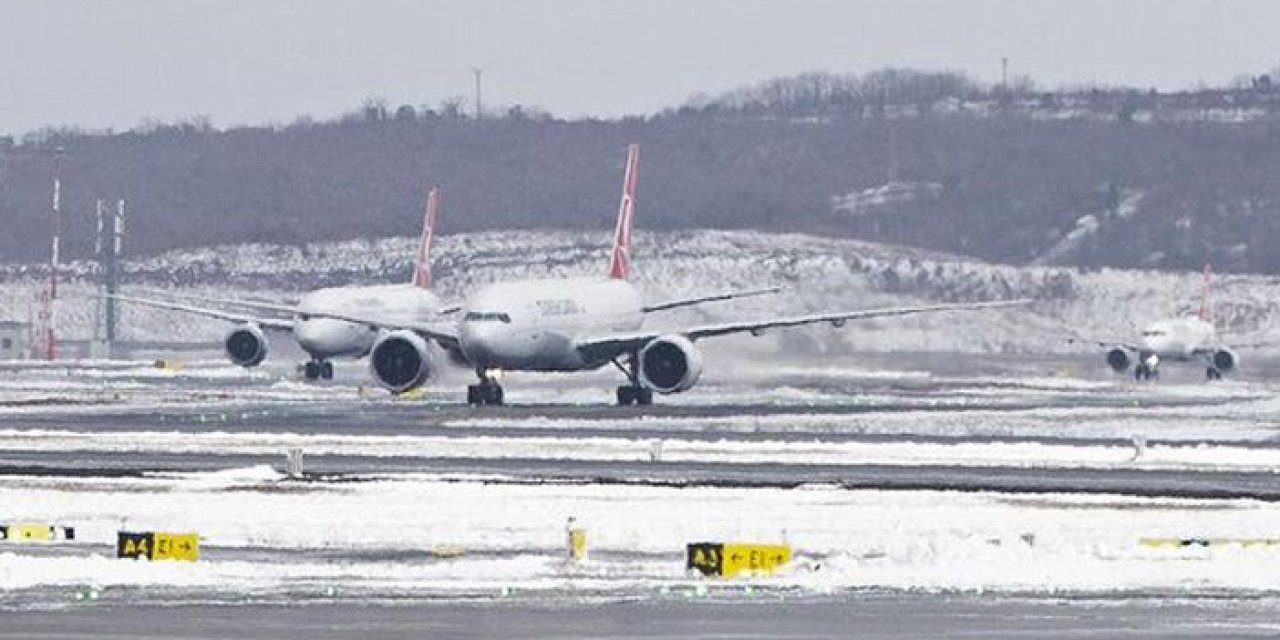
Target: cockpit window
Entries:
(486, 316)
(1154, 333)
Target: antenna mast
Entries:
(49, 312)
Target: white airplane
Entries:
(574, 325)
(310, 321)
(1187, 339)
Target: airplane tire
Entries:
(1212, 374)
(311, 370)
(326, 370)
(629, 395)
(479, 395)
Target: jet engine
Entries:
(246, 345)
(400, 361)
(1119, 360)
(1225, 360)
(669, 364)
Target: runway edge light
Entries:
(577, 540)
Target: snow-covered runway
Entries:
(805, 457)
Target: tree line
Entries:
(1006, 181)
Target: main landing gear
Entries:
(317, 369)
(488, 392)
(1212, 373)
(632, 393)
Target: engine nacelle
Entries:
(400, 361)
(1119, 360)
(669, 364)
(246, 345)
(1225, 360)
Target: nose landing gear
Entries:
(1147, 368)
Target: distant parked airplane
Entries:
(577, 324)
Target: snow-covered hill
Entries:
(817, 273)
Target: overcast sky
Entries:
(112, 63)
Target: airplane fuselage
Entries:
(532, 325)
(324, 338)
(1179, 339)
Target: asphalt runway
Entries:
(865, 615)
(866, 409)
(337, 468)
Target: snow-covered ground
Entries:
(817, 273)
(378, 534)
(262, 534)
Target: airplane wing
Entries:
(1235, 340)
(275, 324)
(610, 346)
(440, 333)
(718, 297)
(285, 309)
(1262, 344)
(443, 333)
(1105, 344)
(1267, 344)
(278, 308)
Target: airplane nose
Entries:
(314, 334)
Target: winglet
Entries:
(620, 258)
(422, 264)
(1206, 295)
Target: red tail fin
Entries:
(422, 265)
(1206, 295)
(620, 259)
